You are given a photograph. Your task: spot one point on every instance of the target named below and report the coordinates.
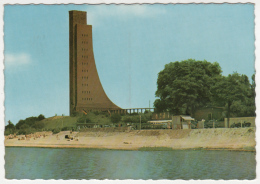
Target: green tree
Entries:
(144, 118)
(115, 118)
(28, 121)
(136, 118)
(38, 125)
(41, 117)
(184, 86)
(251, 99)
(233, 92)
(10, 128)
(19, 124)
(238, 109)
(127, 119)
(10, 125)
(55, 130)
(24, 126)
(245, 107)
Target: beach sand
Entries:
(219, 138)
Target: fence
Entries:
(240, 120)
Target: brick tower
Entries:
(86, 91)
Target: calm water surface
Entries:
(49, 163)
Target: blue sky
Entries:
(132, 43)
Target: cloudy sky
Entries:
(132, 43)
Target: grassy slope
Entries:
(59, 122)
(100, 118)
(67, 121)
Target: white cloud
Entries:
(97, 12)
(17, 59)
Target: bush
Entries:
(66, 128)
(96, 113)
(115, 118)
(134, 113)
(26, 131)
(127, 119)
(136, 118)
(55, 130)
(21, 132)
(38, 125)
(8, 131)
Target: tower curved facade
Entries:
(86, 91)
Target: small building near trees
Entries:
(209, 113)
(181, 122)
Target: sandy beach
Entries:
(220, 138)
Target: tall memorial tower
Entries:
(86, 91)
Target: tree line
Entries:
(26, 126)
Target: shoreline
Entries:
(251, 149)
(239, 139)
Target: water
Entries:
(49, 163)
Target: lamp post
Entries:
(140, 121)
